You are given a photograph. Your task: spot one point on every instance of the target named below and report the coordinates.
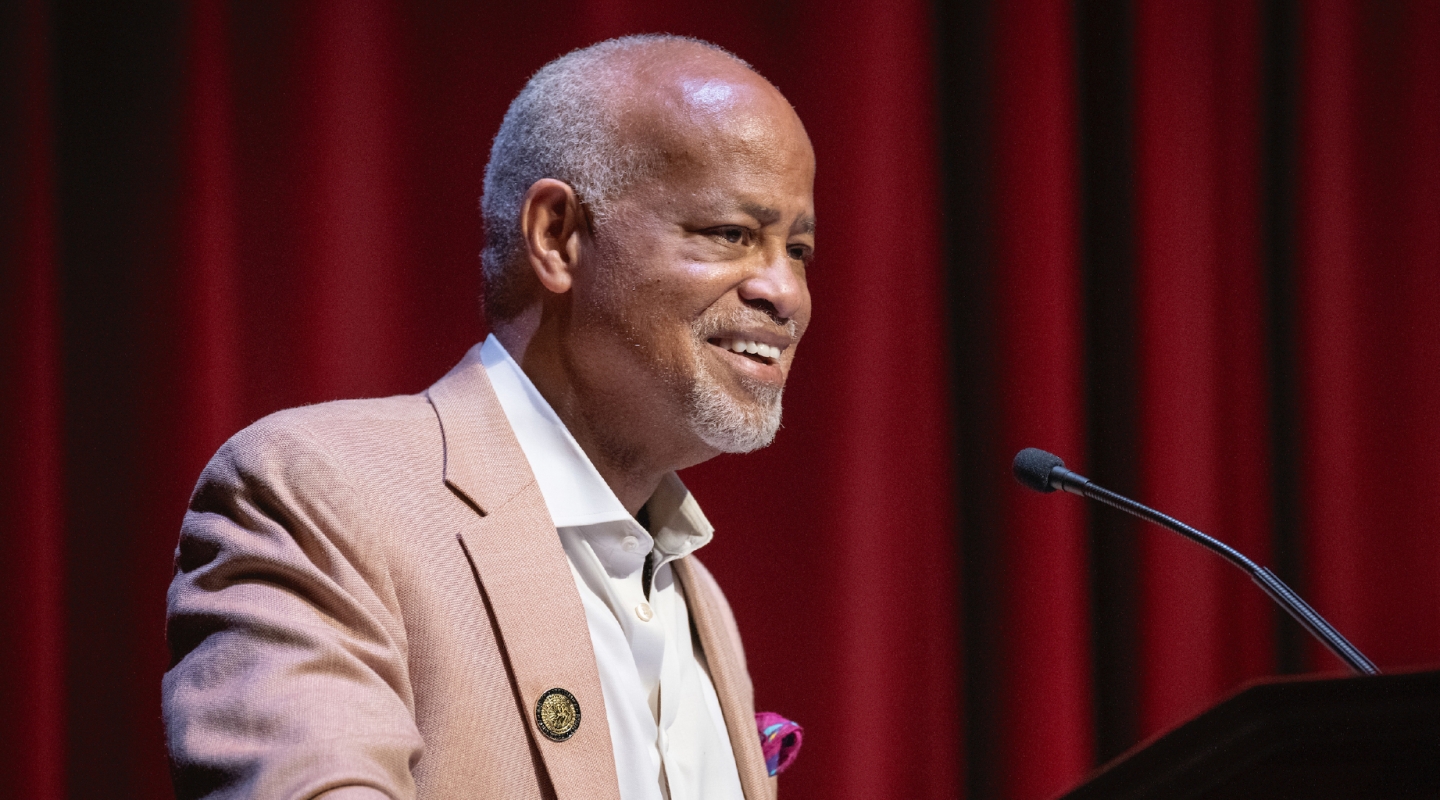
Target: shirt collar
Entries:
(574, 492)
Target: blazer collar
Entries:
(713, 622)
(483, 461)
(524, 578)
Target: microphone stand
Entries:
(1061, 478)
(1268, 581)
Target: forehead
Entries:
(710, 129)
(733, 110)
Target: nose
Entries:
(777, 286)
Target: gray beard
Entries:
(731, 426)
(720, 420)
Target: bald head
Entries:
(608, 117)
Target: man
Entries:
(489, 590)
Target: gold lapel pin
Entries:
(557, 714)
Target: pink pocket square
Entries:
(779, 740)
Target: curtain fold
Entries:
(1203, 430)
(1041, 639)
(32, 487)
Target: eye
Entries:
(799, 252)
(732, 234)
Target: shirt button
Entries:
(629, 543)
(643, 612)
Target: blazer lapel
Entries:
(727, 670)
(525, 578)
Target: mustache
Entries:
(744, 318)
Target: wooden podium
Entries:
(1301, 738)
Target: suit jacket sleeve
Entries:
(288, 672)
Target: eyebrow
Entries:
(766, 215)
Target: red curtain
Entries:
(1193, 250)
(1190, 247)
(1041, 644)
(1203, 453)
(1368, 274)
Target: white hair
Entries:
(565, 124)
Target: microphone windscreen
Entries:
(1033, 466)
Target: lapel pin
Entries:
(557, 714)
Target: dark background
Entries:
(1192, 247)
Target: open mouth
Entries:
(755, 351)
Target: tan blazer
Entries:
(369, 599)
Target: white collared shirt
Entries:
(666, 726)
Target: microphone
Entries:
(1045, 472)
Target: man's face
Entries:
(706, 259)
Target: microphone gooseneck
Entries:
(1046, 472)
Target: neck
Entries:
(631, 463)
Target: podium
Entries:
(1374, 737)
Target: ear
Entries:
(551, 223)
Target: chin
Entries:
(732, 425)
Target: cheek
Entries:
(652, 320)
(651, 289)
(677, 290)
(661, 321)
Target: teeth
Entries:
(747, 346)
